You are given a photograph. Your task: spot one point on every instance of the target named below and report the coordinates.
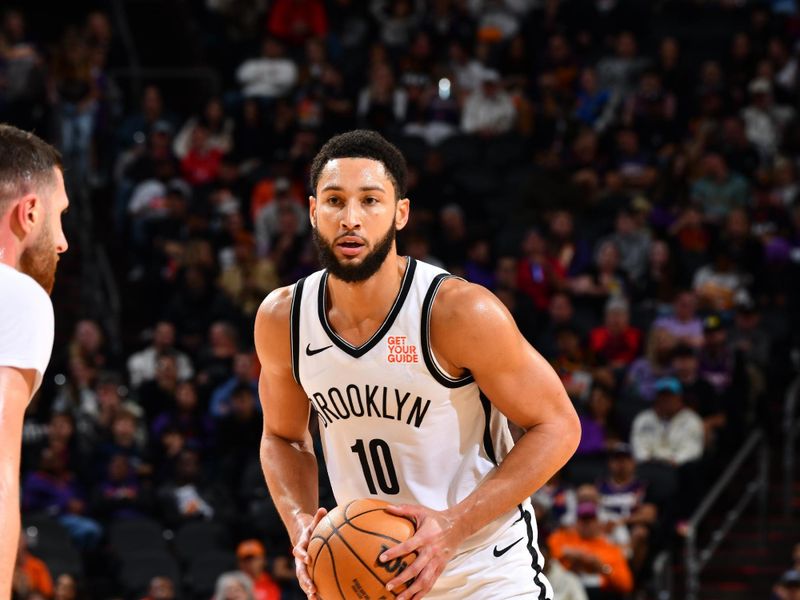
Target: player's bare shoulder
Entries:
(466, 306)
(273, 324)
(468, 320)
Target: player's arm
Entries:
(519, 383)
(16, 388)
(287, 453)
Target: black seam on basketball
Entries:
(425, 326)
(348, 521)
(335, 574)
(359, 351)
(537, 571)
(361, 560)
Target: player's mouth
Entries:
(350, 245)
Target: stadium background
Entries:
(600, 164)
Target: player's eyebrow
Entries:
(364, 188)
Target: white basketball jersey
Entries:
(393, 424)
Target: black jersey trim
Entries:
(537, 570)
(488, 442)
(358, 351)
(427, 352)
(294, 335)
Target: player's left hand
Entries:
(435, 543)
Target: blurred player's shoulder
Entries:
(20, 289)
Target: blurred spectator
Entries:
(160, 588)
(234, 585)
(536, 275)
(271, 75)
(249, 278)
(158, 394)
(185, 416)
(566, 585)
(120, 495)
(585, 551)
(617, 341)
(764, 120)
(243, 374)
(396, 20)
(66, 587)
(200, 164)
(219, 128)
(623, 501)
(594, 106)
(633, 243)
(489, 110)
(788, 586)
(716, 283)
(656, 363)
(555, 500)
(572, 363)
(267, 222)
(187, 497)
(295, 21)
(31, 575)
(601, 281)
(719, 190)
(598, 427)
(138, 126)
(560, 313)
(142, 365)
(54, 490)
(683, 324)
(252, 560)
(698, 394)
(717, 360)
(669, 432)
(381, 103)
(618, 73)
(127, 439)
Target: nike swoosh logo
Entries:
(310, 352)
(499, 553)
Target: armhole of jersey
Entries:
(294, 336)
(427, 352)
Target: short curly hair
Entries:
(363, 143)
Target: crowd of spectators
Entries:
(621, 178)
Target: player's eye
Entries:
(333, 200)
(370, 200)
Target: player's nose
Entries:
(351, 215)
(61, 243)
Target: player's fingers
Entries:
(407, 547)
(421, 586)
(407, 574)
(404, 510)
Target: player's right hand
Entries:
(306, 524)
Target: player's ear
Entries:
(401, 212)
(26, 213)
(312, 210)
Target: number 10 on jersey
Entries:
(380, 456)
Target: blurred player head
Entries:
(359, 182)
(32, 200)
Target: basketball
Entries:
(345, 547)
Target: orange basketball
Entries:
(345, 547)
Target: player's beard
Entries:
(39, 260)
(354, 273)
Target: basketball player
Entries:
(32, 199)
(412, 374)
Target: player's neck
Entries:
(370, 299)
(9, 249)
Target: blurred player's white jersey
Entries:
(26, 323)
(395, 426)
